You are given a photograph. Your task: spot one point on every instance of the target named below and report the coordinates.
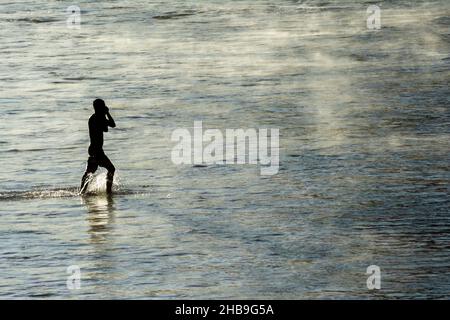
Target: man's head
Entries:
(99, 106)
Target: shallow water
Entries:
(364, 148)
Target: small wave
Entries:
(38, 194)
(34, 20)
(199, 166)
(15, 150)
(79, 78)
(173, 15)
(445, 21)
(24, 150)
(69, 192)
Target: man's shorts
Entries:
(99, 159)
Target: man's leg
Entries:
(107, 164)
(90, 170)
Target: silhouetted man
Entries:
(99, 123)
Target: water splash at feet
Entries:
(96, 187)
(96, 184)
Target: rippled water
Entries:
(364, 133)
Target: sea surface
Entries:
(364, 124)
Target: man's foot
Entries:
(85, 182)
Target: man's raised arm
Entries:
(111, 121)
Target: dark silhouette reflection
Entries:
(100, 216)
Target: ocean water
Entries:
(364, 149)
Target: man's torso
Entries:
(97, 125)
